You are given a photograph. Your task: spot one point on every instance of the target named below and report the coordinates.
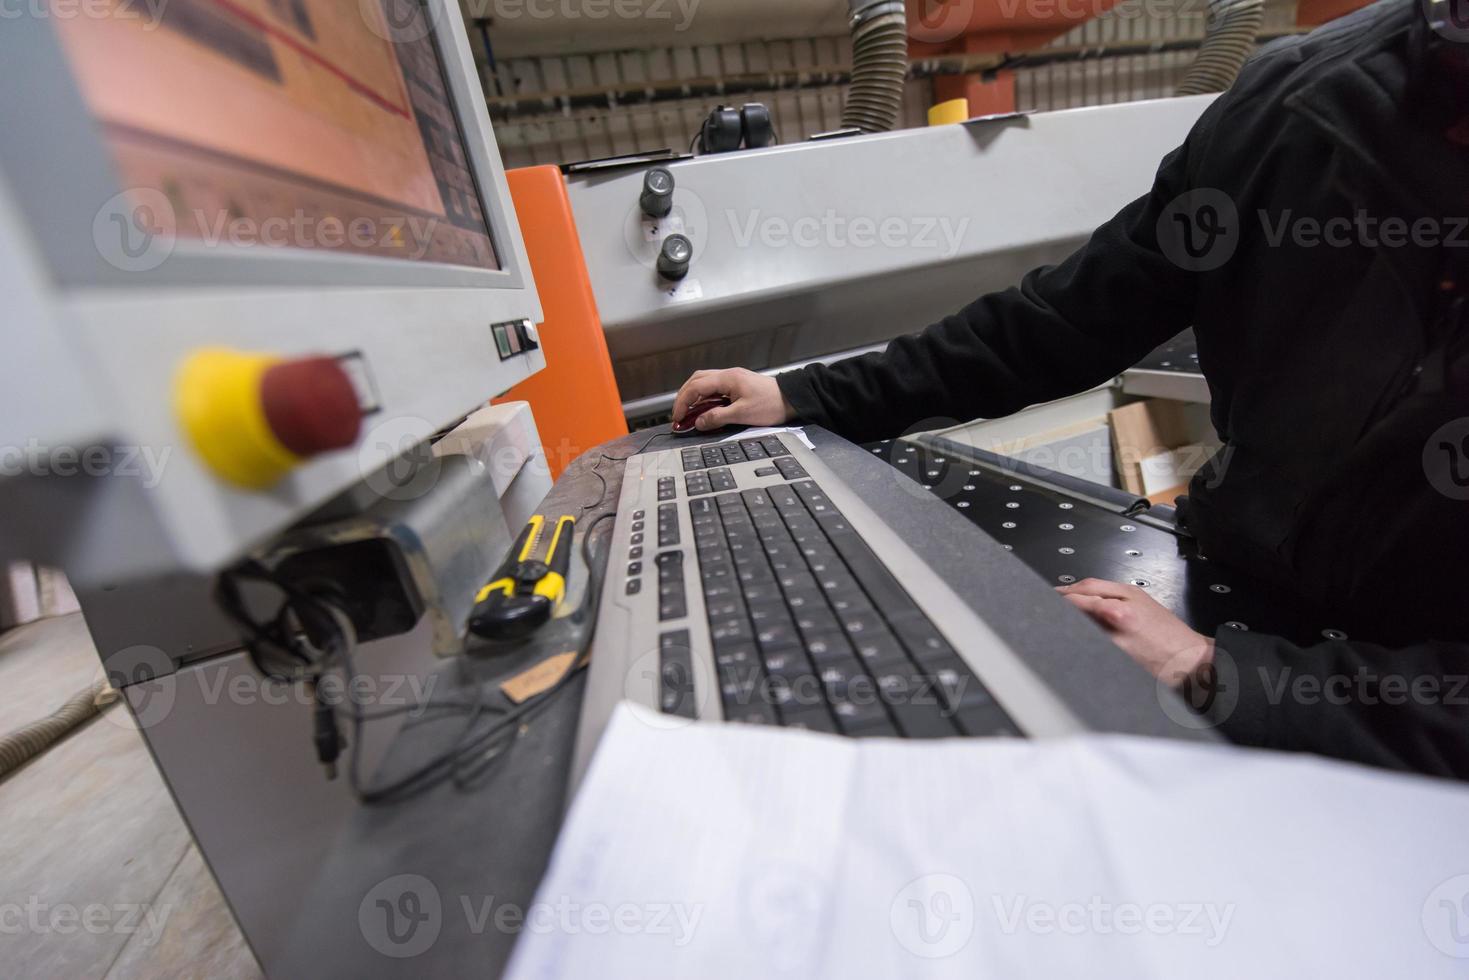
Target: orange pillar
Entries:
(575, 399)
(985, 98)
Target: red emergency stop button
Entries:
(252, 417)
(311, 405)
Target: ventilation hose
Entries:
(879, 65)
(24, 744)
(1234, 27)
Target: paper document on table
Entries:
(795, 430)
(732, 851)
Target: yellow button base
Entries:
(218, 404)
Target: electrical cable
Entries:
(279, 651)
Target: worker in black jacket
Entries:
(1312, 229)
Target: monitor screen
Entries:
(278, 124)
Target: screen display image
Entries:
(284, 124)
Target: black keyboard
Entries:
(809, 629)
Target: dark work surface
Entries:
(1064, 538)
(461, 860)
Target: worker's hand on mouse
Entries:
(1148, 632)
(754, 399)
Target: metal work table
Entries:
(1066, 529)
(433, 885)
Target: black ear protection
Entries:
(722, 131)
(727, 129)
(758, 129)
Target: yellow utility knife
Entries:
(525, 592)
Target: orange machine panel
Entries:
(575, 400)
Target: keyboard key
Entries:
(877, 728)
(828, 648)
(761, 591)
(857, 717)
(852, 604)
(769, 611)
(797, 581)
(756, 713)
(845, 680)
(785, 500)
(737, 656)
(881, 587)
(789, 469)
(776, 636)
(789, 662)
(859, 624)
(724, 608)
(880, 650)
(676, 695)
(814, 718)
(986, 722)
(734, 629)
(634, 586)
(921, 639)
(798, 599)
(816, 620)
(922, 721)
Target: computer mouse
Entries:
(687, 424)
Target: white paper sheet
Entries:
(729, 851)
(794, 430)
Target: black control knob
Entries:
(674, 257)
(657, 196)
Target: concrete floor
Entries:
(98, 874)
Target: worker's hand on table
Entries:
(754, 399)
(1137, 623)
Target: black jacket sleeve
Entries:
(1064, 329)
(1405, 708)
